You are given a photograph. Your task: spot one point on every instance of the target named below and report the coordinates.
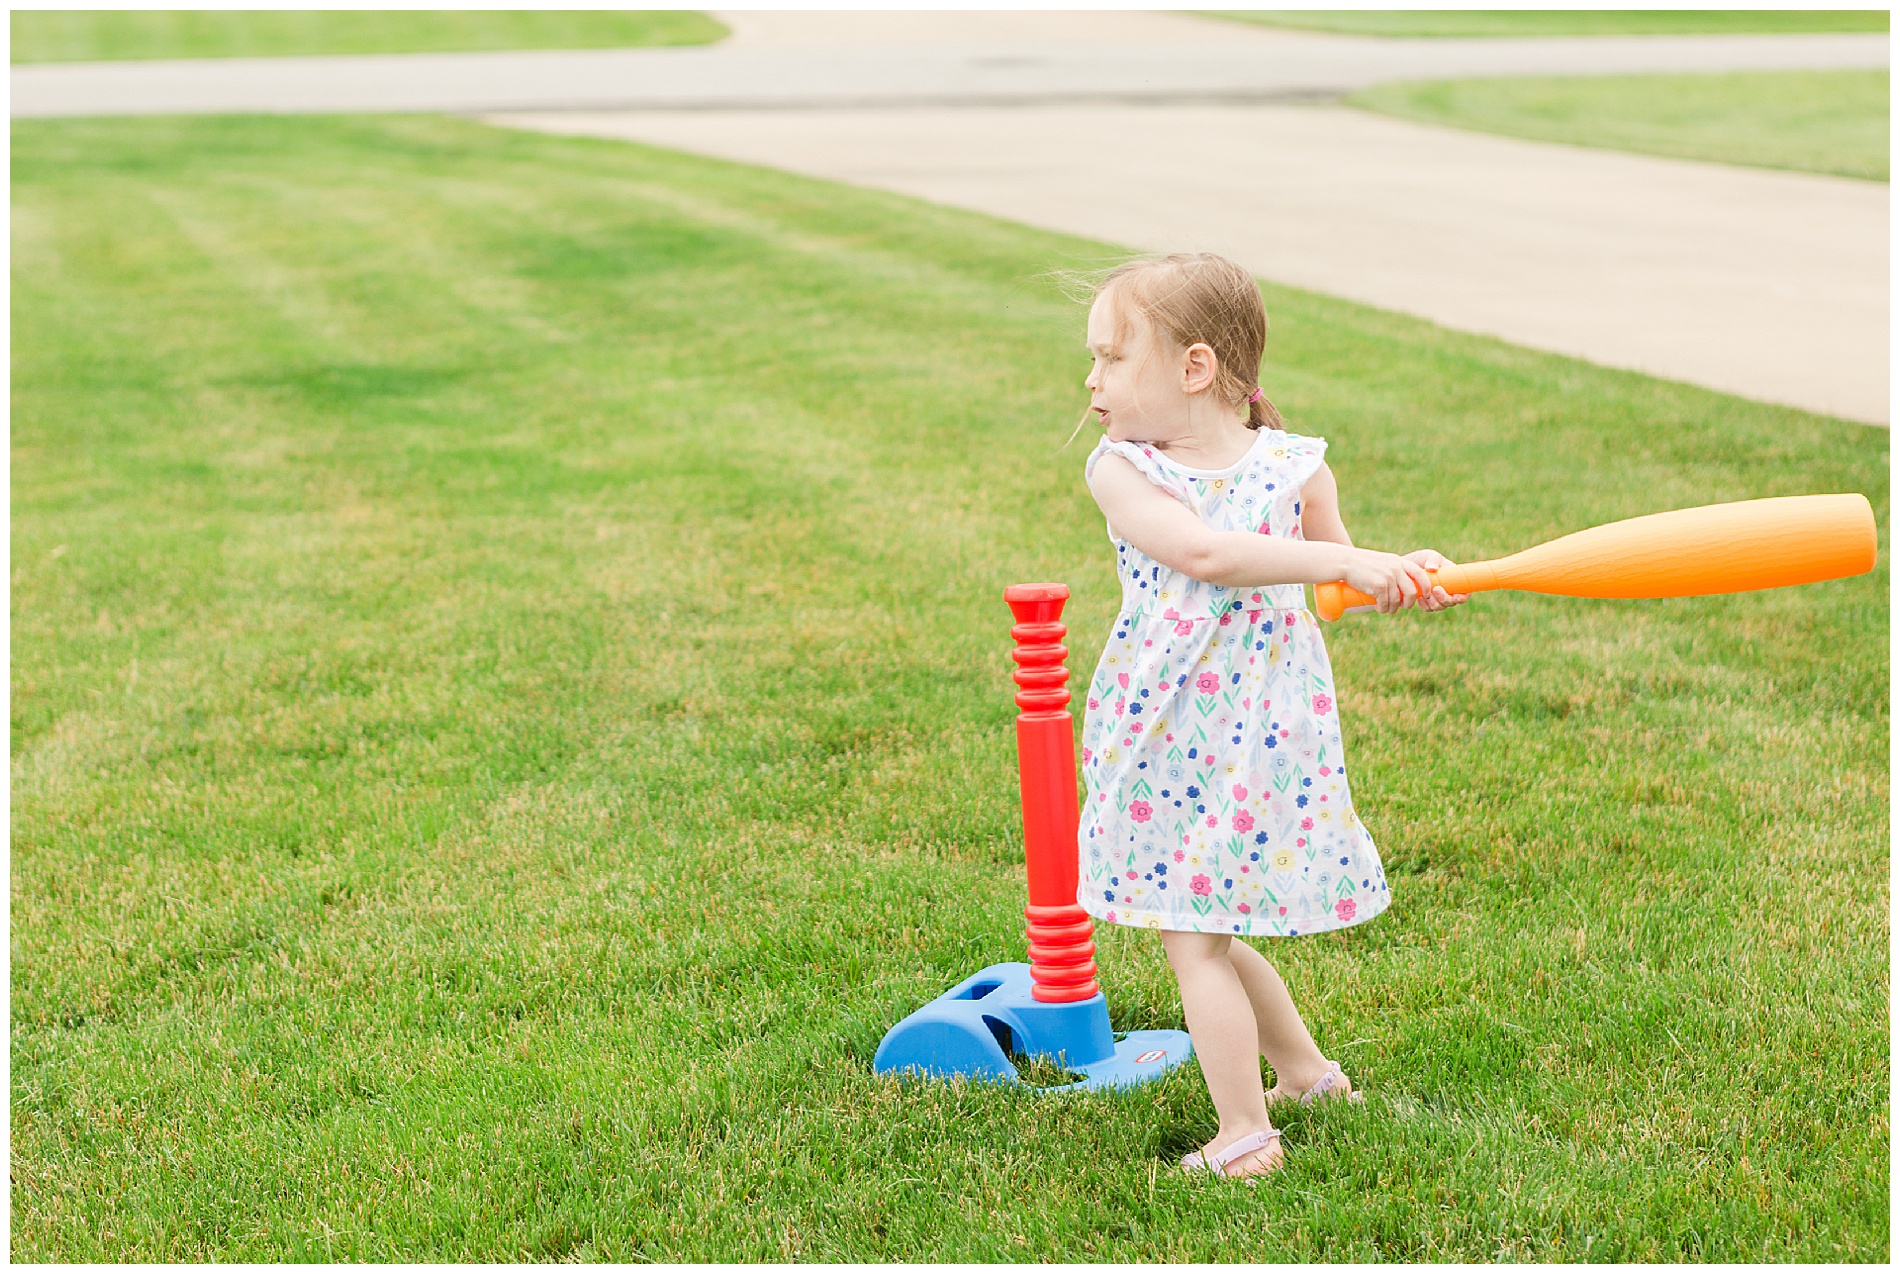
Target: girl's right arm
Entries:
(1167, 531)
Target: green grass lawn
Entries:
(80, 35)
(1552, 22)
(510, 702)
(1831, 122)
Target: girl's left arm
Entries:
(1320, 520)
(1319, 511)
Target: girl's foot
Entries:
(1260, 1153)
(1333, 1085)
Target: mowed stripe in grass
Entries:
(510, 702)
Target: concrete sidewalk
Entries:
(804, 61)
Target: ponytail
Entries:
(1262, 414)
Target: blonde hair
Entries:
(1198, 298)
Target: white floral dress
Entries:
(1217, 799)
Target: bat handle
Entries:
(1334, 599)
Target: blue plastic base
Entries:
(972, 1029)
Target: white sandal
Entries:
(1326, 1087)
(1195, 1161)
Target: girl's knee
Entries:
(1245, 953)
(1185, 948)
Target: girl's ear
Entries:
(1199, 367)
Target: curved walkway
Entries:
(1166, 131)
(817, 60)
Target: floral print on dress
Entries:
(1217, 799)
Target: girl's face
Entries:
(1135, 385)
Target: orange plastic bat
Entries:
(1717, 548)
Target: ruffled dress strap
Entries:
(1297, 459)
(1143, 458)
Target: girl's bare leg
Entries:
(1282, 1037)
(1226, 1040)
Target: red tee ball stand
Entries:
(1052, 1006)
(1061, 934)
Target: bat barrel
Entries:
(1738, 547)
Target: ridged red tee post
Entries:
(1061, 934)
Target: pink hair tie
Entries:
(1256, 395)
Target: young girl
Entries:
(1217, 803)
